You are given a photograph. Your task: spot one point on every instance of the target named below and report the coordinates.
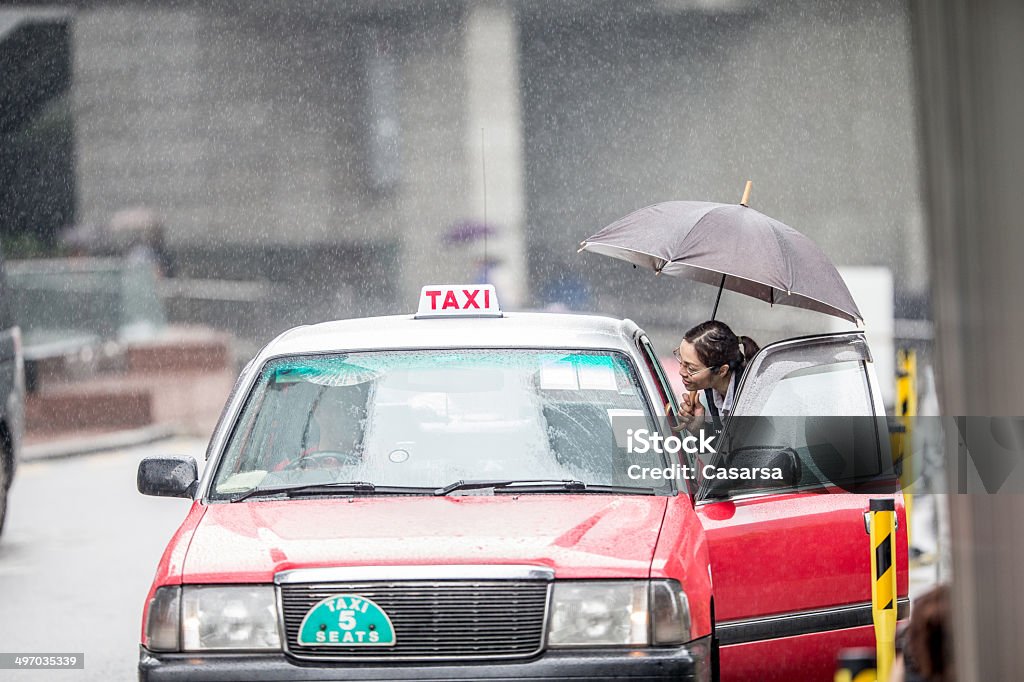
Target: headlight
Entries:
(232, 618)
(599, 614)
(162, 620)
(618, 613)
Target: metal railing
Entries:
(65, 304)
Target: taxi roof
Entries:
(512, 330)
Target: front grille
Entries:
(454, 619)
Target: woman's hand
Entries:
(691, 410)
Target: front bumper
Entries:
(690, 662)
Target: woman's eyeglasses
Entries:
(688, 372)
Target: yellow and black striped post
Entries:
(906, 410)
(882, 528)
(906, 382)
(855, 665)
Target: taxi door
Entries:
(790, 562)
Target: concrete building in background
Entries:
(333, 146)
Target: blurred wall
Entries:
(36, 127)
(321, 145)
(969, 56)
(248, 122)
(333, 144)
(811, 100)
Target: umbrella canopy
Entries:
(730, 246)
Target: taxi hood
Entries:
(580, 536)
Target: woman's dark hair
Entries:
(717, 345)
(928, 648)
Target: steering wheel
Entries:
(323, 459)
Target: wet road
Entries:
(77, 557)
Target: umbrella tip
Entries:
(746, 194)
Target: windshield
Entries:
(428, 418)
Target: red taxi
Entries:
(458, 495)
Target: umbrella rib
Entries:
(667, 262)
(843, 313)
(719, 272)
(713, 207)
(626, 248)
(783, 250)
(857, 319)
(689, 265)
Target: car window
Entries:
(818, 412)
(668, 399)
(428, 418)
(814, 402)
(839, 389)
(664, 386)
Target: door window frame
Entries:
(852, 343)
(664, 388)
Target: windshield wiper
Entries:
(587, 488)
(563, 484)
(356, 487)
(501, 484)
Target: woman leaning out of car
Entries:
(711, 359)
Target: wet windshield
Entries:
(426, 419)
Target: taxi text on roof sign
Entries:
(458, 300)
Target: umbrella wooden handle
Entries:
(746, 193)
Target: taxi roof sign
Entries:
(458, 300)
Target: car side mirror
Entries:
(755, 468)
(168, 476)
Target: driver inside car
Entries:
(332, 437)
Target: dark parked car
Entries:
(12, 394)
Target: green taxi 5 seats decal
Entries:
(348, 620)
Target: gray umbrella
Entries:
(730, 246)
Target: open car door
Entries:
(790, 559)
